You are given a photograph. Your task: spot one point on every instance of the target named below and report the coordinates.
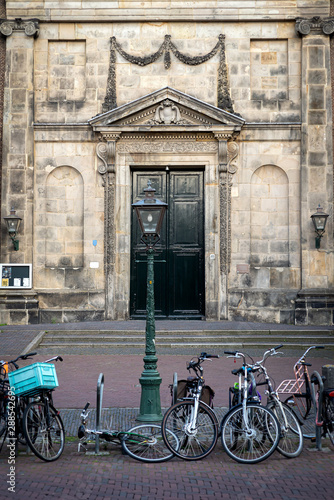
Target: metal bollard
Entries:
(316, 379)
(99, 397)
(328, 373)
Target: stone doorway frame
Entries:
(161, 129)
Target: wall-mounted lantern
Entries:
(319, 220)
(13, 224)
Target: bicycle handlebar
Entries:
(202, 357)
(55, 358)
(13, 361)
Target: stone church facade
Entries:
(225, 106)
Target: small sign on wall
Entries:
(16, 276)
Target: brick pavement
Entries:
(77, 476)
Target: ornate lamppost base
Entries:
(150, 380)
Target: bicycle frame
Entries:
(300, 387)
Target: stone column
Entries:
(106, 151)
(18, 140)
(313, 302)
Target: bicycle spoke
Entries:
(256, 444)
(44, 432)
(145, 443)
(291, 441)
(194, 443)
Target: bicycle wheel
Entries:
(305, 411)
(329, 414)
(44, 433)
(21, 404)
(3, 418)
(254, 445)
(192, 443)
(145, 443)
(291, 442)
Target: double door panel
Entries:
(179, 256)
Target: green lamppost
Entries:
(150, 212)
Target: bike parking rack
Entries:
(99, 397)
(317, 379)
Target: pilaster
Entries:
(18, 151)
(227, 152)
(106, 152)
(316, 156)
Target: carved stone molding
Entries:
(106, 151)
(166, 113)
(166, 48)
(315, 25)
(167, 147)
(227, 169)
(157, 137)
(29, 26)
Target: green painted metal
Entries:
(150, 380)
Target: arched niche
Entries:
(64, 234)
(269, 217)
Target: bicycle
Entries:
(291, 441)
(192, 421)
(42, 426)
(325, 408)
(11, 406)
(250, 432)
(301, 398)
(143, 442)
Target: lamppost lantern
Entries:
(150, 212)
(13, 224)
(319, 220)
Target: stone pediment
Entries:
(166, 109)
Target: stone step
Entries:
(184, 338)
(225, 339)
(292, 332)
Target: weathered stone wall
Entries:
(2, 85)
(85, 10)
(260, 187)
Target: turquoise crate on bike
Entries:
(31, 379)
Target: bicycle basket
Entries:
(33, 378)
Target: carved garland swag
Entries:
(224, 99)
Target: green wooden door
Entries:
(179, 256)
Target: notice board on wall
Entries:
(16, 276)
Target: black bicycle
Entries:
(191, 420)
(42, 425)
(250, 432)
(12, 407)
(324, 398)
